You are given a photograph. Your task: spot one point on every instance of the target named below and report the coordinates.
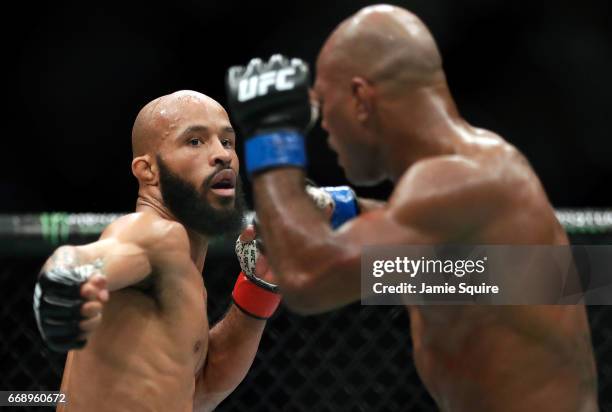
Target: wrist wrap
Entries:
(274, 149)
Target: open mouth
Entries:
(224, 183)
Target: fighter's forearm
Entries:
(232, 346)
(64, 256)
(73, 258)
(368, 205)
(290, 222)
(300, 244)
(123, 264)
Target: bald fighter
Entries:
(385, 102)
(134, 302)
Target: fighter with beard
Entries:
(134, 302)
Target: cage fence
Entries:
(358, 358)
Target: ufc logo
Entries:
(259, 85)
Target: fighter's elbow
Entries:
(302, 294)
(330, 283)
(301, 302)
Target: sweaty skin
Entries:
(151, 348)
(389, 113)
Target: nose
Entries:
(219, 154)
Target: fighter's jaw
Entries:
(221, 198)
(363, 174)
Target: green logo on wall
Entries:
(55, 227)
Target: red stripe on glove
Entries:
(254, 300)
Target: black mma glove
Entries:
(57, 306)
(271, 105)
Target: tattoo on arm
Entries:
(65, 256)
(68, 256)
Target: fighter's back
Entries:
(494, 358)
(153, 335)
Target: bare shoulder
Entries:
(149, 231)
(461, 192)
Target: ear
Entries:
(144, 170)
(363, 96)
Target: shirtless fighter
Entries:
(134, 302)
(389, 113)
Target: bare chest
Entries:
(182, 303)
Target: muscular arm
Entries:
(75, 282)
(369, 205)
(120, 254)
(313, 279)
(318, 269)
(232, 347)
(123, 263)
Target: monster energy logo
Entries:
(55, 227)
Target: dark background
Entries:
(76, 75)
(538, 73)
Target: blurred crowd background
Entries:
(77, 73)
(538, 73)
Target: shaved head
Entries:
(184, 157)
(158, 118)
(376, 64)
(382, 43)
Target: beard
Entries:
(191, 207)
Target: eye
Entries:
(194, 142)
(226, 143)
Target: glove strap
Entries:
(254, 300)
(345, 204)
(276, 149)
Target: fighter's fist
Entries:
(339, 203)
(253, 292)
(271, 105)
(68, 304)
(270, 95)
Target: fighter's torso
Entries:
(152, 341)
(507, 358)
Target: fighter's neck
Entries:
(148, 204)
(199, 247)
(432, 128)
